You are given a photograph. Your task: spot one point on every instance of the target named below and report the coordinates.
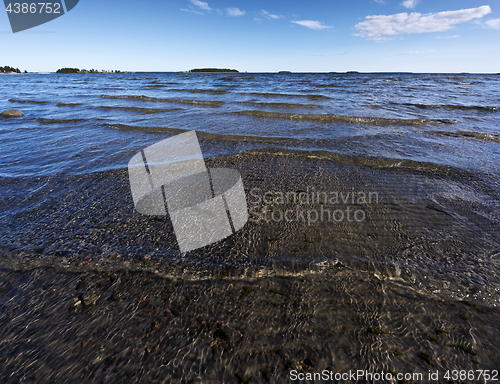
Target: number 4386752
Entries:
(472, 375)
(33, 8)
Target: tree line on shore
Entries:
(8, 69)
(197, 70)
(77, 70)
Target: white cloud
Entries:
(312, 24)
(376, 27)
(380, 1)
(493, 23)
(192, 10)
(201, 5)
(447, 37)
(409, 4)
(234, 11)
(270, 15)
(420, 52)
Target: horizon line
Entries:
(282, 72)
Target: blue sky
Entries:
(261, 36)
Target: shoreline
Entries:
(118, 325)
(92, 217)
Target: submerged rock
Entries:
(89, 299)
(12, 113)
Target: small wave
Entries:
(140, 110)
(455, 107)
(207, 135)
(124, 127)
(328, 86)
(211, 103)
(267, 94)
(279, 105)
(209, 91)
(68, 104)
(157, 84)
(370, 161)
(332, 118)
(28, 101)
(475, 135)
(226, 79)
(201, 134)
(58, 121)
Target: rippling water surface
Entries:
(92, 290)
(84, 123)
(427, 144)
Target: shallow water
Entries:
(426, 145)
(74, 123)
(424, 258)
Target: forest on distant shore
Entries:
(214, 70)
(8, 69)
(78, 70)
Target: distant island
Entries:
(77, 70)
(285, 72)
(8, 69)
(205, 70)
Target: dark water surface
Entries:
(426, 145)
(85, 123)
(425, 256)
(441, 130)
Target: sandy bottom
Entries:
(91, 291)
(137, 326)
